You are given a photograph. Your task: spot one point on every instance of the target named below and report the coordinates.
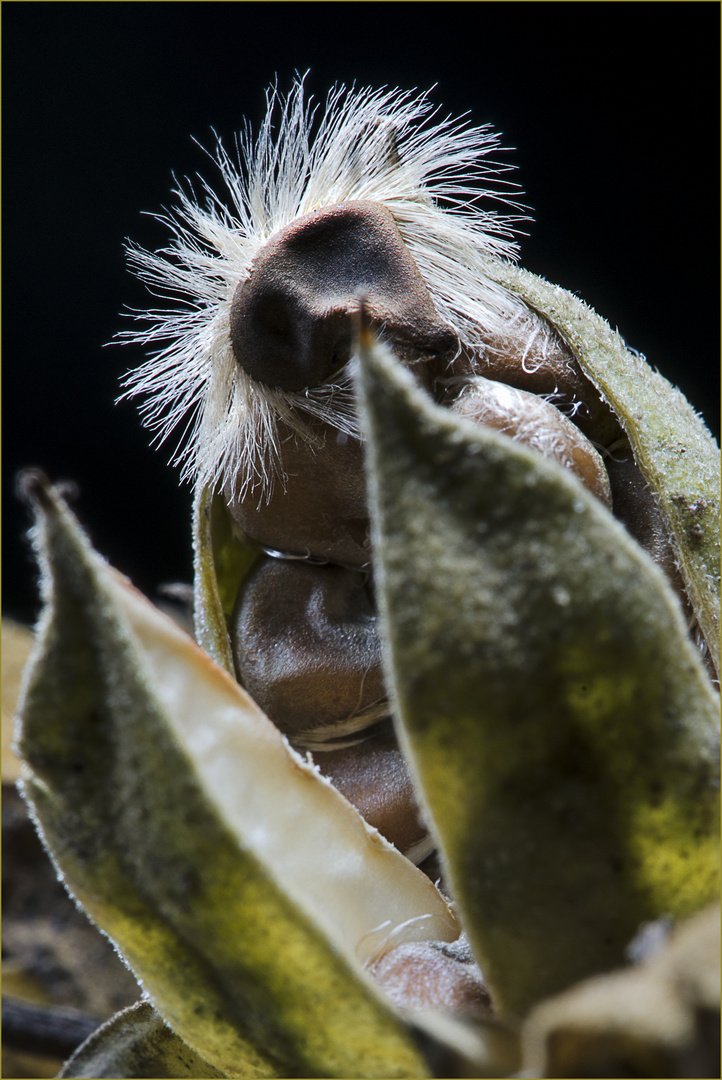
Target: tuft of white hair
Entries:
(386, 146)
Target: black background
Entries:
(613, 109)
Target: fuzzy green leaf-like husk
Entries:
(222, 950)
(560, 724)
(136, 1042)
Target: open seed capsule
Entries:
(269, 358)
(302, 644)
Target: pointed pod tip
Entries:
(379, 368)
(364, 333)
(33, 488)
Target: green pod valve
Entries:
(560, 723)
(243, 891)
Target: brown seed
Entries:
(374, 777)
(321, 509)
(306, 648)
(291, 319)
(536, 423)
(433, 976)
(306, 645)
(531, 356)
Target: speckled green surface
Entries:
(561, 725)
(225, 956)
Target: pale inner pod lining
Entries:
(310, 840)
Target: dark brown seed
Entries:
(374, 777)
(291, 319)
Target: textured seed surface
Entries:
(306, 643)
(535, 422)
(433, 976)
(291, 319)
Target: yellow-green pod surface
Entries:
(561, 726)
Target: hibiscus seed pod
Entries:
(277, 453)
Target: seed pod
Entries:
(675, 453)
(553, 718)
(206, 849)
(267, 360)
